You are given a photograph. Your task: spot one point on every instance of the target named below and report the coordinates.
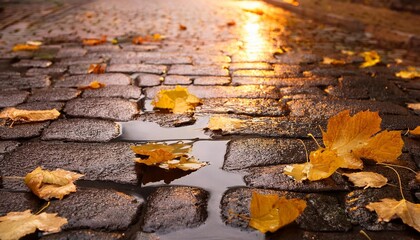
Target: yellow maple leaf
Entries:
(270, 212)
(416, 131)
(51, 184)
(224, 123)
(332, 61)
(18, 224)
(92, 85)
(388, 209)
(178, 100)
(97, 68)
(371, 59)
(410, 73)
(29, 115)
(367, 179)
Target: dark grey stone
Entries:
(32, 63)
(253, 152)
(85, 80)
(173, 208)
(272, 177)
(137, 68)
(106, 108)
(81, 130)
(24, 130)
(41, 106)
(168, 119)
(114, 91)
(97, 161)
(97, 209)
(18, 202)
(53, 95)
(253, 107)
(83, 235)
(71, 52)
(284, 82)
(199, 70)
(8, 146)
(25, 82)
(12, 98)
(46, 71)
(398, 122)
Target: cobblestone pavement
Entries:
(246, 60)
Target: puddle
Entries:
(150, 131)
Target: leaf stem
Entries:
(312, 136)
(399, 180)
(398, 166)
(306, 150)
(365, 234)
(43, 208)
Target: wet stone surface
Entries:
(25, 82)
(114, 91)
(18, 201)
(106, 108)
(81, 130)
(137, 68)
(107, 209)
(12, 98)
(173, 208)
(24, 130)
(167, 119)
(198, 70)
(41, 106)
(53, 95)
(284, 82)
(8, 146)
(83, 235)
(85, 80)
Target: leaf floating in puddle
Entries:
(167, 156)
(29, 115)
(92, 85)
(224, 123)
(271, 212)
(51, 184)
(97, 68)
(18, 224)
(178, 100)
(367, 179)
(371, 59)
(409, 73)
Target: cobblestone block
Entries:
(114, 91)
(173, 208)
(80, 61)
(25, 82)
(32, 63)
(210, 59)
(51, 71)
(254, 152)
(53, 94)
(97, 209)
(168, 120)
(71, 52)
(85, 80)
(327, 107)
(25, 130)
(167, 59)
(296, 58)
(286, 73)
(250, 66)
(398, 122)
(138, 48)
(103, 48)
(149, 80)
(18, 202)
(83, 235)
(253, 107)
(12, 98)
(212, 81)
(106, 108)
(81, 130)
(199, 70)
(8, 146)
(301, 92)
(249, 91)
(137, 68)
(97, 161)
(332, 71)
(177, 80)
(41, 106)
(78, 69)
(285, 82)
(272, 177)
(256, 57)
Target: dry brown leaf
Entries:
(94, 41)
(92, 85)
(367, 179)
(231, 23)
(29, 115)
(18, 224)
(182, 27)
(177, 100)
(332, 61)
(270, 212)
(97, 68)
(51, 184)
(224, 123)
(388, 209)
(418, 177)
(371, 59)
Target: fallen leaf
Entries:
(348, 52)
(410, 73)
(367, 179)
(388, 209)
(371, 59)
(254, 10)
(29, 115)
(332, 61)
(167, 156)
(138, 40)
(97, 68)
(416, 131)
(292, 2)
(182, 27)
(92, 85)
(51, 184)
(270, 212)
(418, 177)
(224, 123)
(18, 224)
(25, 47)
(148, 38)
(231, 23)
(157, 37)
(94, 41)
(178, 100)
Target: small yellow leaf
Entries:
(416, 131)
(332, 61)
(25, 47)
(97, 68)
(270, 212)
(298, 171)
(367, 179)
(410, 73)
(224, 123)
(92, 85)
(18, 224)
(29, 115)
(371, 59)
(388, 209)
(51, 184)
(347, 52)
(178, 100)
(94, 41)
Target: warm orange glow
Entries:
(255, 42)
